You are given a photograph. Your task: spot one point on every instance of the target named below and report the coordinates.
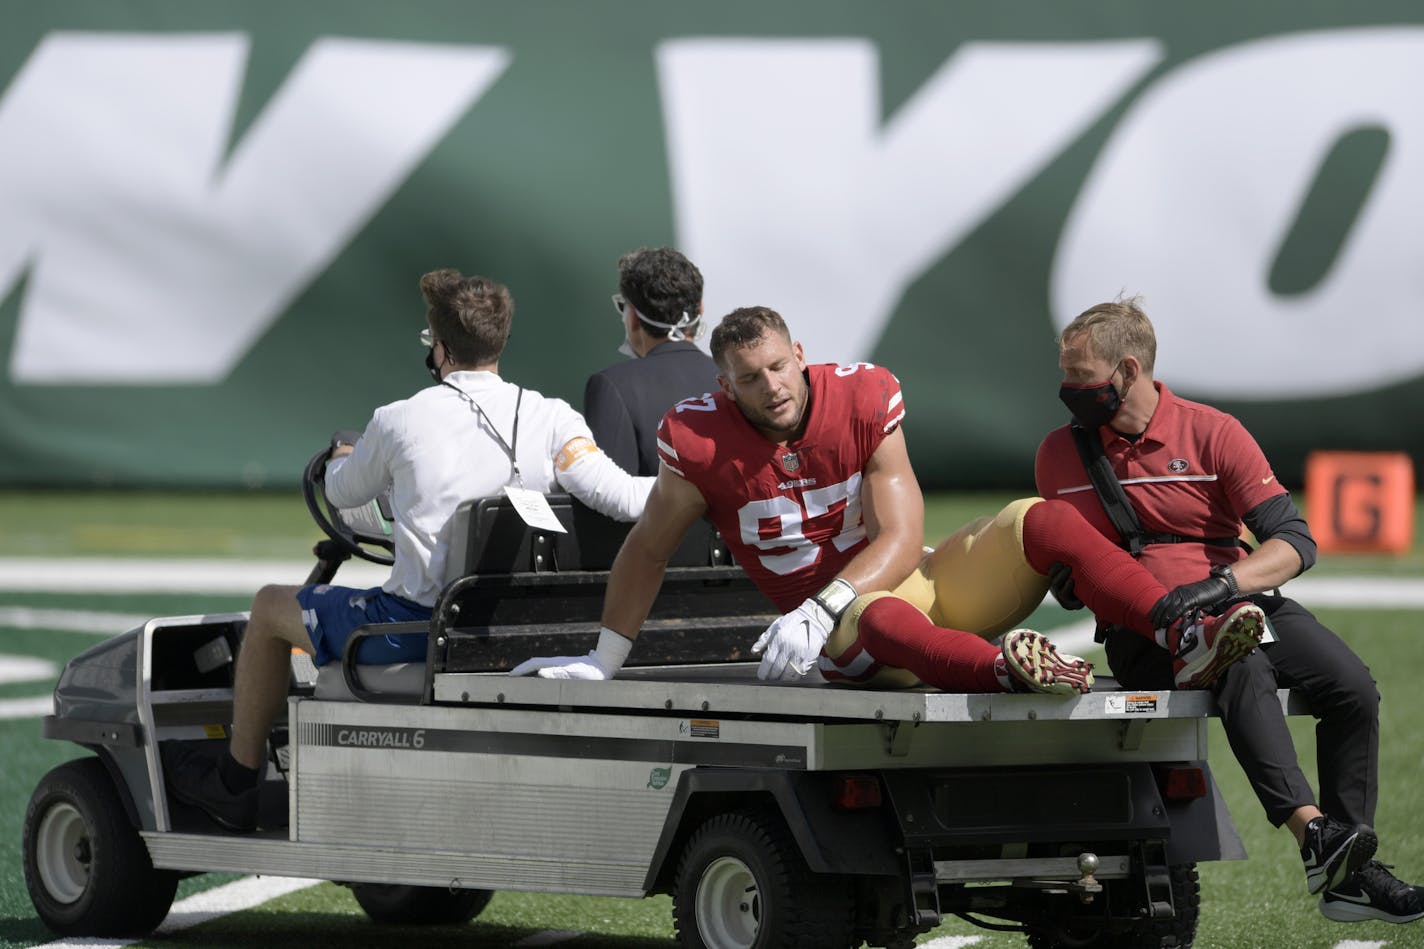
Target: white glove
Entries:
(602, 663)
(792, 643)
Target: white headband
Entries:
(675, 332)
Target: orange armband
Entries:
(573, 450)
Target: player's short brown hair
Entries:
(743, 327)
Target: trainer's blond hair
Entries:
(1116, 329)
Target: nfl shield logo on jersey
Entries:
(791, 461)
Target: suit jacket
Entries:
(625, 402)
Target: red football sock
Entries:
(897, 634)
(1106, 578)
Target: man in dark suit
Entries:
(660, 302)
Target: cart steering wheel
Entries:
(363, 532)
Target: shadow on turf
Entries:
(14, 930)
(295, 930)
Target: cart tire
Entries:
(742, 883)
(87, 869)
(396, 905)
(1180, 931)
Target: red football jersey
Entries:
(790, 515)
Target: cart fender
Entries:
(860, 842)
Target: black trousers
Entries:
(1307, 657)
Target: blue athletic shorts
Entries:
(330, 614)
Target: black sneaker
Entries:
(193, 778)
(1373, 893)
(1334, 850)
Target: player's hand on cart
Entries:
(789, 647)
(602, 662)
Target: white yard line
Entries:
(1074, 638)
(202, 907)
(70, 621)
(26, 669)
(37, 707)
(1383, 593)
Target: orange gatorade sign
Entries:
(1360, 501)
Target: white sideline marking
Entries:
(26, 669)
(37, 707)
(1074, 638)
(1382, 593)
(1357, 944)
(70, 621)
(202, 907)
(188, 575)
(952, 942)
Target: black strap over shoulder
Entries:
(1109, 489)
(1114, 499)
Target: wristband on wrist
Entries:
(835, 598)
(612, 649)
(1223, 571)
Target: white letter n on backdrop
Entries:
(790, 192)
(156, 256)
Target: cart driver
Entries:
(469, 435)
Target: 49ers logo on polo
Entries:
(792, 533)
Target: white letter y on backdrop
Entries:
(154, 257)
(790, 193)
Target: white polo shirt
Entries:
(434, 451)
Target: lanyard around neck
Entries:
(508, 446)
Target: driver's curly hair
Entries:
(470, 315)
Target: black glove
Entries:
(1060, 584)
(1201, 595)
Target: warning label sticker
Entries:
(706, 728)
(1127, 704)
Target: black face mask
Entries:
(1094, 405)
(430, 364)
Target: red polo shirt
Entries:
(1195, 471)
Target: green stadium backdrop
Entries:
(215, 215)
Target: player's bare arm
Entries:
(633, 582)
(637, 573)
(894, 512)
